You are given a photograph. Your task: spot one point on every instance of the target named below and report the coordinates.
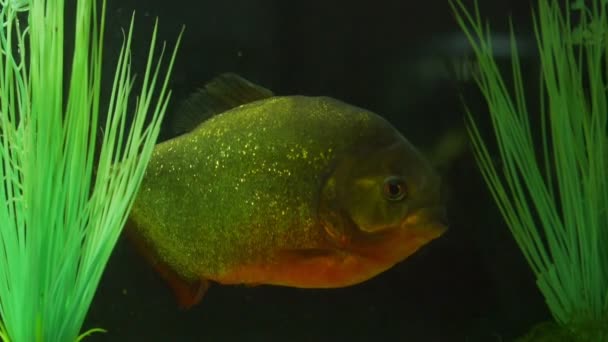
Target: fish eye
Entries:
(394, 188)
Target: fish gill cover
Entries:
(59, 219)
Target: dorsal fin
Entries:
(222, 93)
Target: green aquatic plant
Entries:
(551, 186)
(64, 198)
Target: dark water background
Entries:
(472, 284)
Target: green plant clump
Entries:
(552, 185)
(59, 218)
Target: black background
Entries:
(472, 284)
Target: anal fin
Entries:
(187, 292)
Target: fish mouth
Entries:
(394, 244)
(433, 219)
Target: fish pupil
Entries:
(394, 188)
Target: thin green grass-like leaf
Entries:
(557, 216)
(59, 220)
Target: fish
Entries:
(297, 191)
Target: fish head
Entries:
(382, 201)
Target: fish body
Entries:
(298, 191)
